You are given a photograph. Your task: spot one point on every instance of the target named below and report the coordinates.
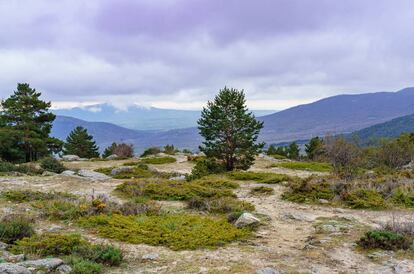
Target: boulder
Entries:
(48, 173)
(178, 178)
(93, 175)
(404, 267)
(268, 270)
(121, 169)
(112, 157)
(247, 220)
(48, 263)
(70, 158)
(63, 269)
(11, 258)
(8, 268)
(68, 173)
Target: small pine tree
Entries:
(109, 150)
(80, 143)
(230, 130)
(293, 151)
(314, 148)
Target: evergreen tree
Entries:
(27, 120)
(314, 148)
(230, 130)
(80, 143)
(293, 151)
(109, 150)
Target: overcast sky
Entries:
(179, 53)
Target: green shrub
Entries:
(403, 198)
(52, 165)
(82, 266)
(22, 196)
(216, 182)
(361, 198)
(259, 177)
(61, 209)
(177, 231)
(205, 167)
(151, 151)
(15, 227)
(159, 160)
(309, 190)
(159, 189)
(30, 169)
(310, 166)
(7, 167)
(139, 171)
(220, 205)
(386, 240)
(262, 190)
(53, 244)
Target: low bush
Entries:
(384, 239)
(52, 165)
(260, 177)
(222, 205)
(205, 167)
(262, 190)
(309, 190)
(177, 231)
(364, 199)
(216, 182)
(160, 189)
(22, 196)
(29, 169)
(82, 266)
(139, 171)
(310, 166)
(73, 245)
(15, 227)
(158, 160)
(61, 209)
(402, 197)
(151, 151)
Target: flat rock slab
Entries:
(7, 268)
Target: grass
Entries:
(161, 189)
(176, 231)
(83, 256)
(262, 190)
(159, 160)
(309, 166)
(259, 177)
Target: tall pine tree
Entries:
(80, 143)
(27, 120)
(230, 130)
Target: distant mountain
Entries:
(137, 117)
(390, 129)
(337, 114)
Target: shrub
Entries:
(160, 189)
(220, 205)
(29, 169)
(260, 177)
(384, 239)
(53, 244)
(61, 209)
(215, 182)
(403, 197)
(262, 190)
(158, 160)
(140, 171)
(22, 196)
(82, 266)
(205, 167)
(170, 149)
(52, 165)
(151, 151)
(177, 231)
(15, 227)
(124, 150)
(364, 199)
(311, 166)
(309, 190)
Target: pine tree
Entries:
(314, 148)
(25, 115)
(230, 130)
(293, 151)
(80, 143)
(109, 150)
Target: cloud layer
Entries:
(178, 53)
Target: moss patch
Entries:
(159, 160)
(260, 177)
(178, 231)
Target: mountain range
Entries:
(139, 117)
(332, 115)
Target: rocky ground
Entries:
(296, 238)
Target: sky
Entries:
(179, 53)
